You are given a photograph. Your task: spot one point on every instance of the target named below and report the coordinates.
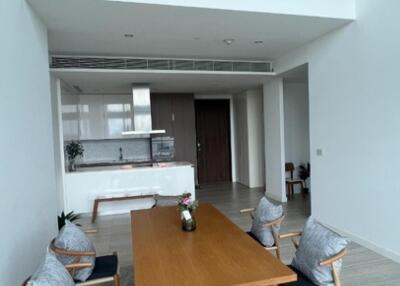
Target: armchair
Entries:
(270, 225)
(330, 262)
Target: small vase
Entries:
(189, 225)
(72, 165)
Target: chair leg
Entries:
(117, 280)
(94, 213)
(290, 191)
(287, 190)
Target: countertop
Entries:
(128, 166)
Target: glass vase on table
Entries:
(187, 207)
(188, 221)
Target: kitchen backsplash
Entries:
(108, 150)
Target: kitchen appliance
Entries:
(163, 149)
(141, 108)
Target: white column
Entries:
(274, 140)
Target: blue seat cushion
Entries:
(301, 279)
(255, 238)
(106, 266)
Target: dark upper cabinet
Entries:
(161, 113)
(175, 113)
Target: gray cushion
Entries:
(73, 238)
(318, 243)
(51, 273)
(166, 201)
(265, 212)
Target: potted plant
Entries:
(73, 149)
(64, 217)
(304, 174)
(187, 207)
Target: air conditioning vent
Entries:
(241, 66)
(204, 65)
(223, 66)
(136, 64)
(182, 65)
(66, 62)
(158, 65)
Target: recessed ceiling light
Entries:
(229, 41)
(258, 42)
(128, 35)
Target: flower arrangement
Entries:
(74, 149)
(185, 202)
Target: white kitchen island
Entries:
(81, 188)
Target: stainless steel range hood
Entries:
(141, 108)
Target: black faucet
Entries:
(121, 156)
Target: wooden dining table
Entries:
(217, 253)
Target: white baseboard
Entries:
(367, 244)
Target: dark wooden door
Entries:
(213, 141)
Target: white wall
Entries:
(249, 116)
(242, 135)
(297, 140)
(274, 140)
(256, 137)
(58, 144)
(29, 200)
(327, 8)
(355, 119)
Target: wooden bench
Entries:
(116, 197)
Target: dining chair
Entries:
(302, 280)
(291, 181)
(165, 201)
(106, 268)
(69, 267)
(270, 226)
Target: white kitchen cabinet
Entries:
(91, 117)
(95, 116)
(82, 188)
(70, 115)
(117, 115)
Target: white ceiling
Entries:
(185, 82)
(97, 27)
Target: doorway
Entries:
(296, 127)
(213, 141)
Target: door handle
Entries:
(198, 146)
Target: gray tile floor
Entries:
(361, 267)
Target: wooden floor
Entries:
(362, 267)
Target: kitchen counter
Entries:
(82, 187)
(95, 167)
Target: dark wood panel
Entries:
(161, 113)
(216, 253)
(213, 139)
(174, 112)
(184, 127)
